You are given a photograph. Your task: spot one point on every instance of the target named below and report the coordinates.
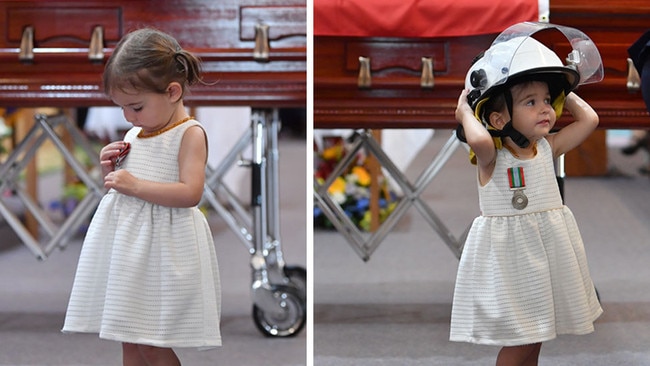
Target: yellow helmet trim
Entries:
(558, 104)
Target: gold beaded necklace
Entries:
(143, 135)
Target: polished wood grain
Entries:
(222, 33)
(396, 99)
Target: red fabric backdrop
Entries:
(419, 18)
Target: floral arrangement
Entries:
(351, 190)
(5, 134)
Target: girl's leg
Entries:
(526, 355)
(157, 356)
(533, 358)
(131, 355)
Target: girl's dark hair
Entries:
(496, 103)
(149, 60)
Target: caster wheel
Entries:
(287, 319)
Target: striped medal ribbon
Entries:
(517, 183)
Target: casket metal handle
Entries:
(364, 80)
(96, 47)
(261, 51)
(426, 80)
(26, 53)
(633, 78)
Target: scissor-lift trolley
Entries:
(278, 291)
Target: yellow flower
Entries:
(363, 177)
(338, 186)
(333, 153)
(337, 190)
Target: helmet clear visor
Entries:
(583, 57)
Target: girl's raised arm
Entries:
(478, 138)
(569, 137)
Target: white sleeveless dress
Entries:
(523, 275)
(148, 274)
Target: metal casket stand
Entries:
(278, 291)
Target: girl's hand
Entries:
(122, 181)
(109, 154)
(463, 110)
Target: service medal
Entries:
(519, 199)
(517, 184)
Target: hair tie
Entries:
(181, 60)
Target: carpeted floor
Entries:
(395, 308)
(391, 310)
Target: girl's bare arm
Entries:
(569, 137)
(478, 138)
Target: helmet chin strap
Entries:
(515, 135)
(508, 130)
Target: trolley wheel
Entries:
(286, 322)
